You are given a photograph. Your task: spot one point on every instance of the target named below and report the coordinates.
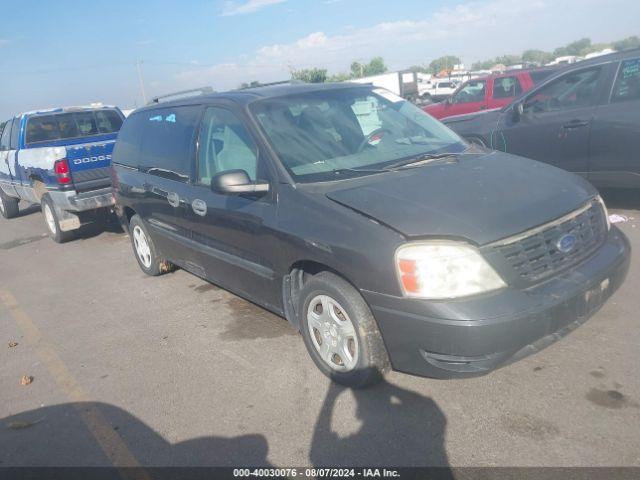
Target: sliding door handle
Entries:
(199, 207)
(173, 199)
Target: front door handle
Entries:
(575, 124)
(199, 207)
(173, 199)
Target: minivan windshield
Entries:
(353, 131)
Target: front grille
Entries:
(535, 255)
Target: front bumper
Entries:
(468, 337)
(81, 202)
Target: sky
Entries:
(70, 52)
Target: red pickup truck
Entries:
(486, 93)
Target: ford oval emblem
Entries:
(566, 243)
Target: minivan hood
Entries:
(480, 198)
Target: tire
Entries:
(8, 205)
(52, 221)
(146, 256)
(365, 358)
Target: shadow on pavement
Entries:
(399, 428)
(28, 209)
(77, 434)
(105, 222)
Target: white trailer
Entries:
(403, 83)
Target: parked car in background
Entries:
(60, 160)
(379, 234)
(436, 89)
(486, 93)
(585, 119)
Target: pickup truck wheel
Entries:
(52, 221)
(8, 205)
(340, 332)
(145, 250)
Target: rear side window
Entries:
(627, 86)
(6, 132)
(506, 87)
(166, 147)
(127, 148)
(15, 134)
(61, 126)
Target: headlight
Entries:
(441, 269)
(606, 212)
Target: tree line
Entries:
(579, 48)
(376, 66)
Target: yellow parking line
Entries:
(111, 443)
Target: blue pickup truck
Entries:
(59, 159)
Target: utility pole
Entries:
(139, 67)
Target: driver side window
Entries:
(573, 90)
(224, 145)
(6, 132)
(472, 92)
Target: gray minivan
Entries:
(378, 233)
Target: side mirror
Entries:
(518, 111)
(449, 100)
(236, 182)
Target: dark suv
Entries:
(372, 228)
(585, 119)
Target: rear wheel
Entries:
(53, 222)
(340, 332)
(145, 250)
(8, 205)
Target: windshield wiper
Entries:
(338, 171)
(421, 160)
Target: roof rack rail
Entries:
(189, 93)
(270, 84)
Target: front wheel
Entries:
(8, 205)
(340, 333)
